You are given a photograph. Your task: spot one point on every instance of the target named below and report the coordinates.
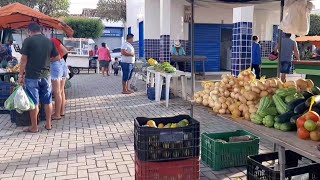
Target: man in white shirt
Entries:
(127, 60)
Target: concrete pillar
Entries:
(165, 20)
(241, 39)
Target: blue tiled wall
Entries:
(275, 35)
(136, 48)
(266, 48)
(164, 48)
(152, 48)
(241, 47)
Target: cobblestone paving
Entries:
(95, 139)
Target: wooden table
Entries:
(187, 59)
(283, 140)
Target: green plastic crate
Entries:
(219, 155)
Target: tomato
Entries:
(311, 115)
(303, 133)
(300, 121)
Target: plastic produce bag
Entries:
(9, 103)
(21, 101)
(296, 17)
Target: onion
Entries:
(217, 105)
(206, 96)
(211, 104)
(196, 95)
(207, 91)
(236, 90)
(215, 92)
(264, 93)
(226, 93)
(231, 82)
(222, 111)
(221, 90)
(241, 83)
(199, 100)
(205, 102)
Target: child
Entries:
(116, 66)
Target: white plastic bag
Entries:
(21, 100)
(296, 17)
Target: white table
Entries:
(157, 81)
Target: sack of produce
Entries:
(21, 101)
(9, 103)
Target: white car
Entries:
(115, 53)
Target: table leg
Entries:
(204, 71)
(152, 80)
(147, 81)
(183, 87)
(167, 90)
(282, 162)
(175, 85)
(160, 89)
(157, 86)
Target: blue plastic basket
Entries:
(152, 94)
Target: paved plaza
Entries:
(95, 139)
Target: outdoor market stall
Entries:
(186, 60)
(221, 95)
(309, 68)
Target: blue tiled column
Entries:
(165, 25)
(136, 48)
(241, 39)
(152, 48)
(164, 48)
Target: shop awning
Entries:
(17, 16)
(315, 40)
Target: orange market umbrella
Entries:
(315, 40)
(16, 16)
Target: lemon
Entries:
(174, 125)
(151, 123)
(160, 125)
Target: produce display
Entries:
(164, 67)
(152, 62)
(289, 106)
(14, 69)
(182, 123)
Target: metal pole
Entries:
(192, 55)
(280, 40)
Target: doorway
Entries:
(226, 46)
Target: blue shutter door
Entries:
(129, 30)
(141, 40)
(207, 42)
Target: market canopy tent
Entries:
(315, 40)
(17, 16)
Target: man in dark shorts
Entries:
(289, 48)
(35, 73)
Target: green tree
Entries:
(54, 8)
(112, 10)
(314, 25)
(85, 27)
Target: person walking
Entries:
(127, 60)
(36, 52)
(256, 57)
(59, 103)
(289, 48)
(104, 58)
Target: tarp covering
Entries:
(315, 40)
(16, 16)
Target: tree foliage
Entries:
(85, 27)
(54, 8)
(112, 10)
(314, 25)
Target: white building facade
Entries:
(157, 23)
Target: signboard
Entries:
(112, 32)
(187, 14)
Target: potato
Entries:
(264, 93)
(289, 84)
(247, 116)
(242, 99)
(241, 83)
(252, 109)
(224, 106)
(206, 96)
(256, 90)
(222, 99)
(199, 100)
(310, 83)
(211, 104)
(232, 107)
(205, 102)
(226, 93)
(222, 111)
(250, 103)
(227, 111)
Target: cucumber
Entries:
(294, 118)
(315, 90)
(288, 127)
(292, 105)
(300, 108)
(316, 100)
(307, 94)
(283, 118)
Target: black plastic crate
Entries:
(20, 119)
(295, 165)
(2, 100)
(5, 88)
(155, 144)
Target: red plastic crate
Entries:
(170, 170)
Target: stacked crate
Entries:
(5, 91)
(167, 153)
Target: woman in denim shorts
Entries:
(58, 81)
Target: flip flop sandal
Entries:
(62, 115)
(48, 128)
(28, 130)
(56, 119)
